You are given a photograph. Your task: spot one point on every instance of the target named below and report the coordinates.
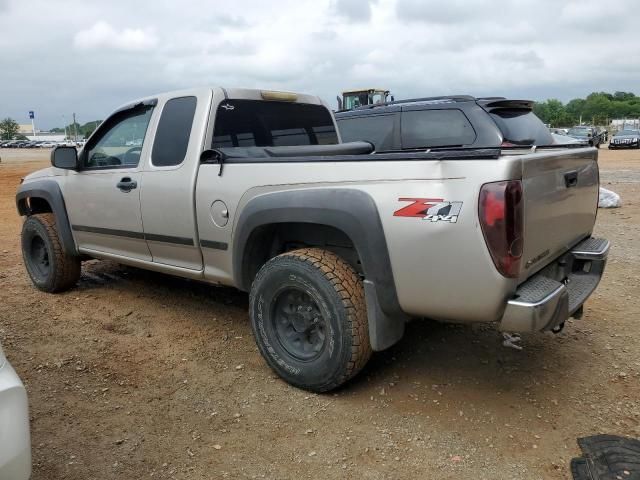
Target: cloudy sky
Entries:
(85, 56)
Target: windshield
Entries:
(627, 132)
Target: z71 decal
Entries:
(431, 209)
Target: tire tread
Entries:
(67, 268)
(348, 285)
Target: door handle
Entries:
(571, 179)
(126, 184)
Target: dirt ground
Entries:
(140, 375)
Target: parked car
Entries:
(625, 139)
(566, 140)
(48, 144)
(586, 134)
(338, 246)
(15, 443)
(445, 122)
(559, 131)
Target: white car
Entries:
(15, 443)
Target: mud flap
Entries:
(384, 331)
(606, 457)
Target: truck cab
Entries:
(359, 98)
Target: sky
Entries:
(89, 57)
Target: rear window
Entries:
(377, 129)
(436, 128)
(521, 127)
(255, 123)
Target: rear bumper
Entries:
(15, 443)
(543, 302)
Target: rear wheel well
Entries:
(268, 241)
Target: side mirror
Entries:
(65, 157)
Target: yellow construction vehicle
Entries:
(359, 98)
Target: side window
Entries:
(377, 129)
(174, 131)
(436, 128)
(120, 144)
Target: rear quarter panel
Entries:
(441, 269)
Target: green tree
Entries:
(8, 128)
(597, 107)
(553, 112)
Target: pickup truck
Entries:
(338, 246)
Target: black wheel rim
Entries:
(299, 325)
(40, 256)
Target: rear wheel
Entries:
(50, 268)
(309, 318)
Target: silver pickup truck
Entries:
(338, 245)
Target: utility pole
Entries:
(75, 128)
(64, 120)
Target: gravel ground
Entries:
(140, 375)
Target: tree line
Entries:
(598, 108)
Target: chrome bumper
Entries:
(545, 303)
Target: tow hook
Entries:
(558, 328)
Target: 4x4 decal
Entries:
(431, 209)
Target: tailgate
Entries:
(561, 198)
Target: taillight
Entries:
(501, 217)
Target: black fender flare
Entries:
(354, 213)
(48, 190)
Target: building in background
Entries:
(622, 123)
(27, 131)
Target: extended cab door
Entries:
(103, 197)
(170, 172)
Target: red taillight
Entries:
(501, 218)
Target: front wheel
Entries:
(50, 268)
(309, 319)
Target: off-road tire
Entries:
(338, 293)
(39, 234)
